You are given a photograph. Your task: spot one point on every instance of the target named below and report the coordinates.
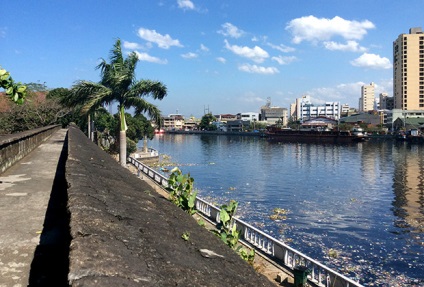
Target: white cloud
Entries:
(163, 41)
(189, 55)
(258, 69)
(229, 30)
(256, 54)
(185, 4)
(350, 46)
(282, 48)
(372, 61)
(204, 48)
(284, 60)
(131, 46)
(310, 28)
(251, 97)
(221, 59)
(147, 58)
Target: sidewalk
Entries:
(25, 191)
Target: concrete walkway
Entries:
(25, 191)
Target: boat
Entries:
(400, 136)
(315, 135)
(414, 136)
(159, 132)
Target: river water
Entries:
(358, 208)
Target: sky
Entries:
(218, 56)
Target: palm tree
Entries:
(118, 84)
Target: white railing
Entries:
(279, 252)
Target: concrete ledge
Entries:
(15, 146)
(124, 234)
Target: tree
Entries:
(206, 122)
(15, 91)
(38, 110)
(118, 84)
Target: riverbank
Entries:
(372, 137)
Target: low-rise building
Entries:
(173, 122)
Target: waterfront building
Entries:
(224, 118)
(293, 115)
(272, 115)
(408, 79)
(408, 70)
(373, 118)
(403, 119)
(367, 99)
(386, 102)
(306, 110)
(173, 122)
(249, 116)
(237, 126)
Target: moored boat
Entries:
(276, 133)
(414, 136)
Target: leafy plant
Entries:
(246, 255)
(227, 230)
(180, 187)
(186, 236)
(15, 91)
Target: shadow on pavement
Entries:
(50, 264)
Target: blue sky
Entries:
(224, 56)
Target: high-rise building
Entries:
(367, 99)
(408, 70)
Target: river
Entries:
(358, 208)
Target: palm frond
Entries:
(89, 96)
(144, 88)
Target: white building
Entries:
(306, 110)
(250, 116)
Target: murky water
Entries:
(357, 208)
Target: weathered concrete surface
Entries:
(124, 234)
(28, 230)
(16, 146)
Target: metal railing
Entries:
(279, 252)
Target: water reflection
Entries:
(408, 187)
(365, 200)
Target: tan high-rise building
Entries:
(367, 99)
(408, 70)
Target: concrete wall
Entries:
(125, 234)
(15, 146)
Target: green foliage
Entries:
(226, 228)
(206, 122)
(118, 84)
(131, 147)
(246, 255)
(227, 231)
(105, 122)
(186, 236)
(180, 187)
(15, 91)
